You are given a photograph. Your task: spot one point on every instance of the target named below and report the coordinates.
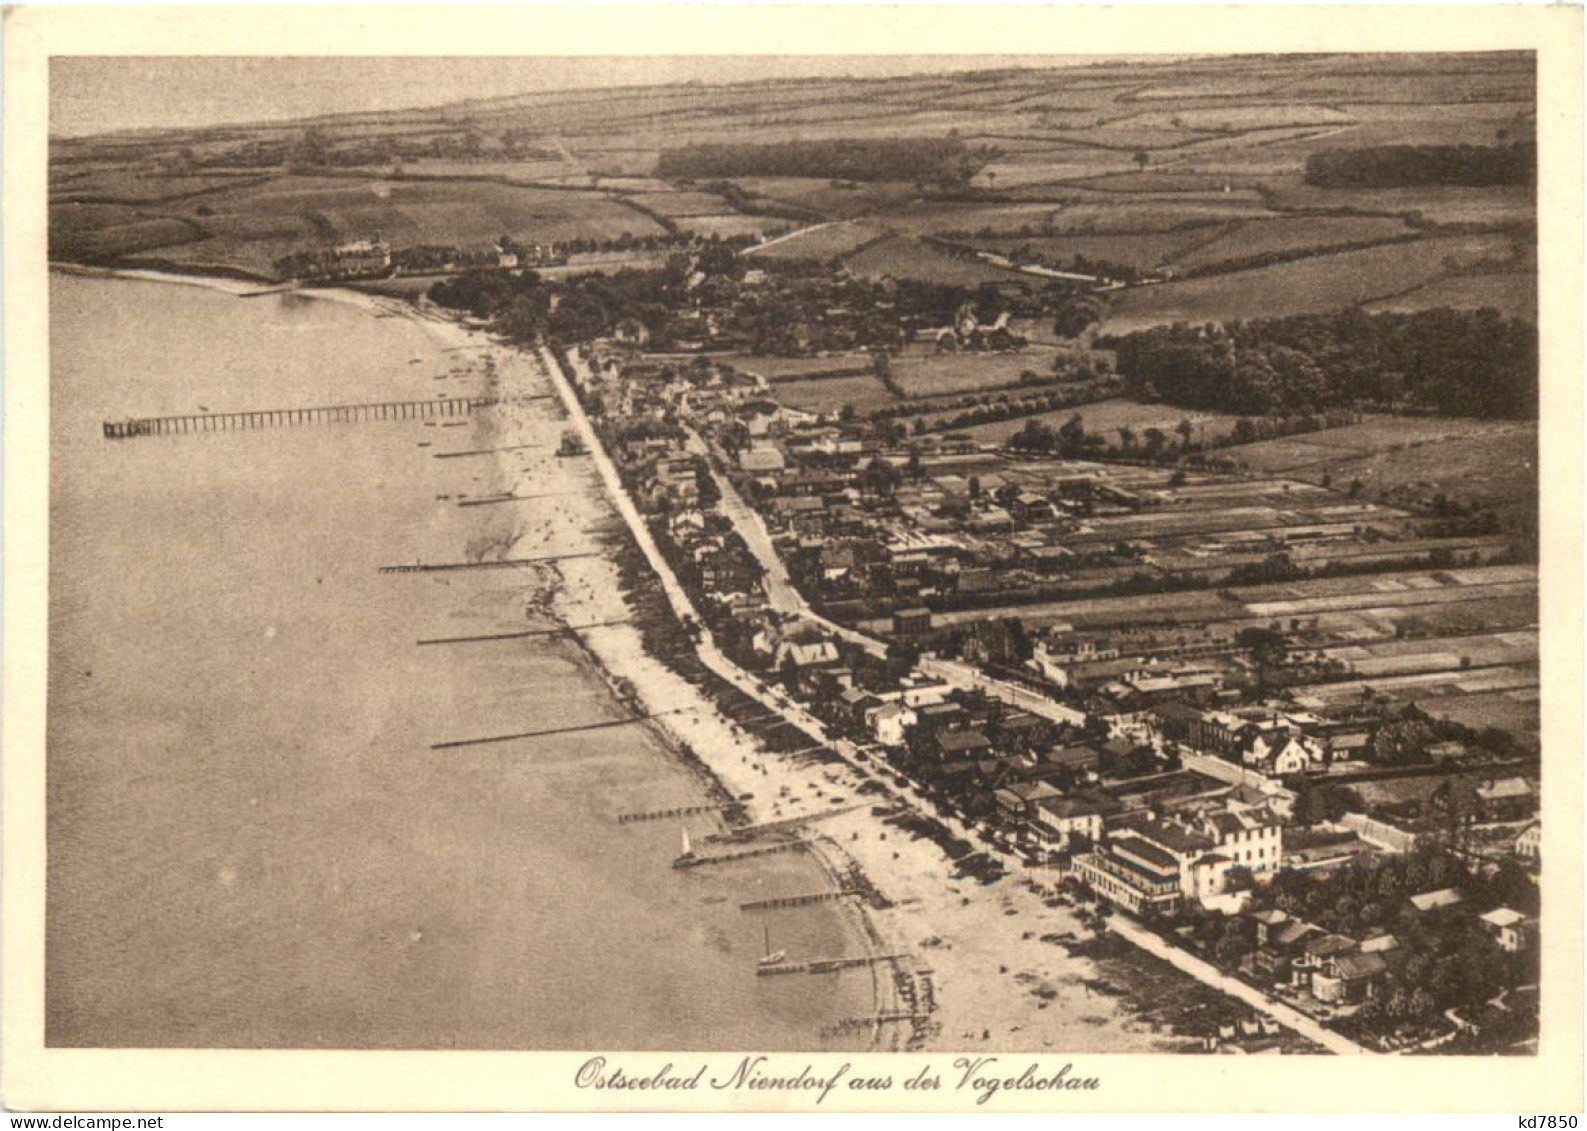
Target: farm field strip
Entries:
(1374, 601)
(830, 395)
(1514, 678)
(1310, 285)
(1205, 606)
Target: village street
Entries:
(786, 599)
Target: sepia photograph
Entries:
(1002, 555)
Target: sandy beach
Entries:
(976, 953)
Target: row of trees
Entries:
(1394, 166)
(1459, 362)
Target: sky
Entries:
(90, 95)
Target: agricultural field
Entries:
(515, 172)
(1491, 464)
(129, 186)
(1289, 235)
(1304, 286)
(903, 257)
(824, 199)
(832, 395)
(1146, 252)
(926, 373)
(820, 242)
(1437, 204)
(102, 231)
(1511, 293)
(1240, 117)
(248, 225)
(1185, 164)
(780, 370)
(1105, 418)
(682, 205)
(730, 224)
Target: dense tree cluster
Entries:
(586, 307)
(1393, 166)
(945, 161)
(1459, 362)
(1453, 963)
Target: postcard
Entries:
(808, 559)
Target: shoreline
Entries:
(969, 959)
(973, 942)
(613, 590)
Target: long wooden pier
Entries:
(293, 417)
(777, 903)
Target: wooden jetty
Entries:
(785, 823)
(681, 811)
(499, 563)
(826, 965)
(777, 903)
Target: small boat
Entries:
(772, 957)
(687, 856)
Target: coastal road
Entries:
(780, 591)
(1210, 975)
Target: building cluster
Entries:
(1184, 786)
(359, 259)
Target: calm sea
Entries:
(251, 841)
